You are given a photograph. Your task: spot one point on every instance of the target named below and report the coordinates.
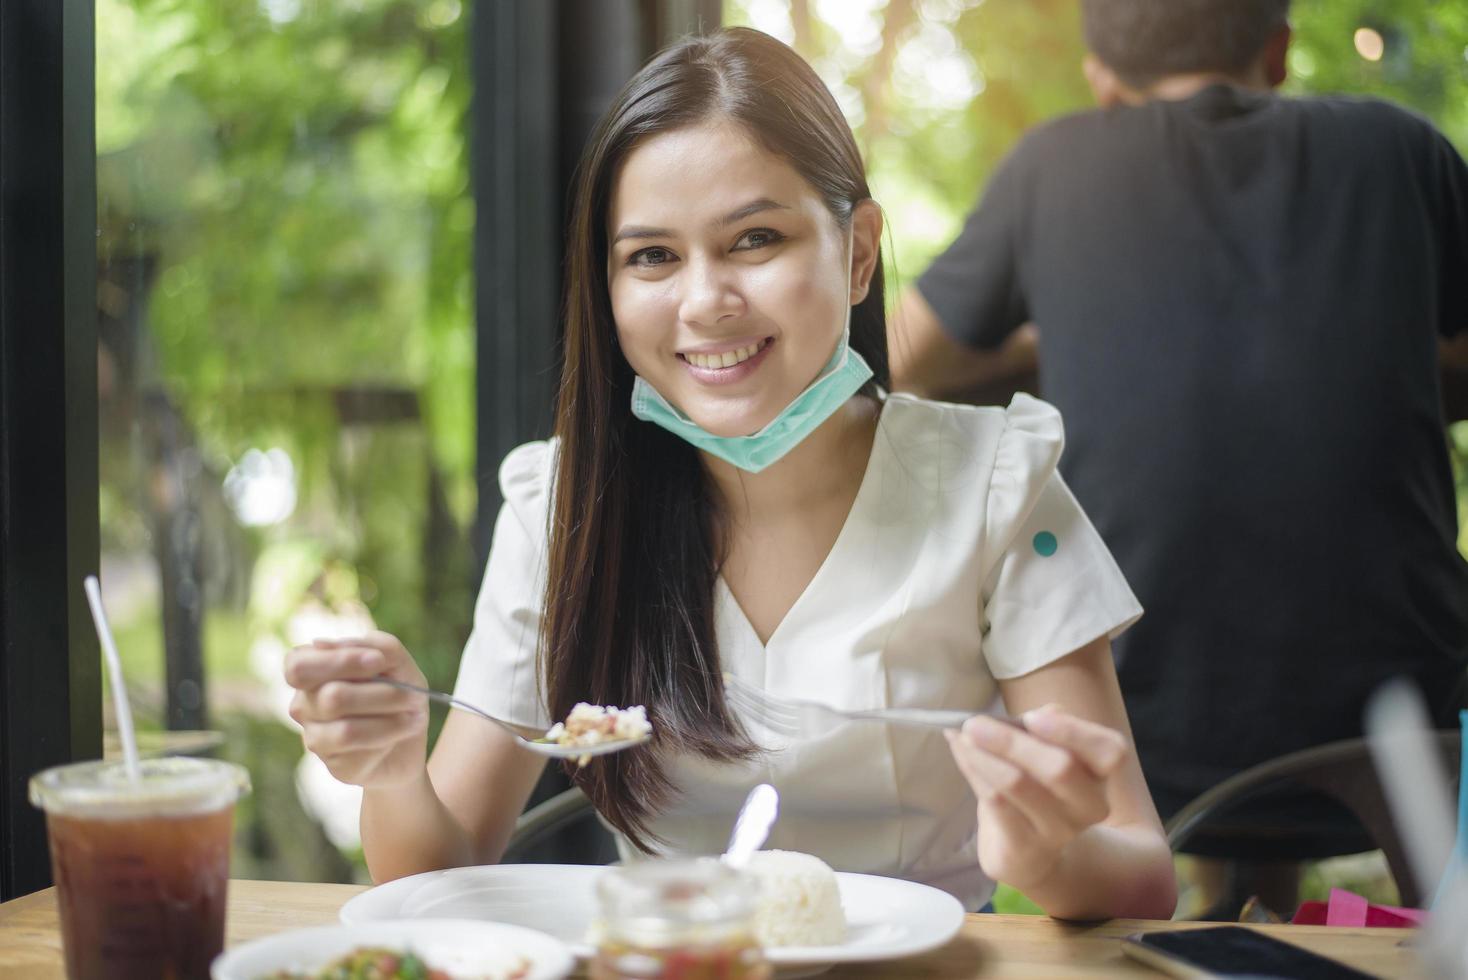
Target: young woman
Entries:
(729, 489)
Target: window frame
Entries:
(50, 671)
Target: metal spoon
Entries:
(752, 826)
(533, 743)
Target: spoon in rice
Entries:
(752, 826)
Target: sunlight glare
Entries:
(935, 72)
(261, 487)
(1370, 44)
(281, 11)
(858, 22)
(772, 17)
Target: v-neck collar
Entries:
(863, 491)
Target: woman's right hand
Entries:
(372, 735)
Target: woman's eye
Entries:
(648, 257)
(758, 238)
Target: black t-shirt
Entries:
(1239, 299)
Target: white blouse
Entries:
(964, 560)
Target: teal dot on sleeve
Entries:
(1045, 544)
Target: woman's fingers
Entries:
(1054, 818)
(963, 755)
(343, 699)
(1059, 793)
(365, 733)
(391, 648)
(355, 658)
(362, 732)
(1011, 847)
(311, 666)
(1102, 749)
(1038, 788)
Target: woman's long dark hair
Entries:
(634, 554)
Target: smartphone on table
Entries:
(1232, 951)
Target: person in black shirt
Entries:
(1238, 301)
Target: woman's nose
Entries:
(710, 294)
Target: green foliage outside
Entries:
(296, 174)
(285, 232)
(895, 66)
(305, 185)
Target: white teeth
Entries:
(726, 359)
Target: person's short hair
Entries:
(1143, 40)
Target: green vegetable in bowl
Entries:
(369, 964)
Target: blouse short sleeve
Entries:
(499, 670)
(1051, 585)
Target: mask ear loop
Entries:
(850, 278)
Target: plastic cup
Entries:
(141, 868)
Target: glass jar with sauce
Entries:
(677, 919)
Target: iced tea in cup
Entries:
(142, 867)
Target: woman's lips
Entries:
(707, 374)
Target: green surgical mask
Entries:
(842, 377)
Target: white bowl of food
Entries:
(417, 949)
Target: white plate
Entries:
(886, 918)
(465, 948)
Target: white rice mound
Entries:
(799, 903)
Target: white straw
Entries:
(1411, 774)
(1416, 789)
(114, 671)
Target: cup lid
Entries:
(170, 786)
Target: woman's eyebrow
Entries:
(638, 231)
(738, 214)
(753, 207)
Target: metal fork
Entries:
(790, 717)
(531, 743)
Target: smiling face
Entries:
(730, 279)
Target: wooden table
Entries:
(989, 945)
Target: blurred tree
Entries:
(284, 263)
(283, 207)
(940, 90)
(1423, 63)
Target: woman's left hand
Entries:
(1038, 788)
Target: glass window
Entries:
(286, 369)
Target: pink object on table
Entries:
(1349, 909)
